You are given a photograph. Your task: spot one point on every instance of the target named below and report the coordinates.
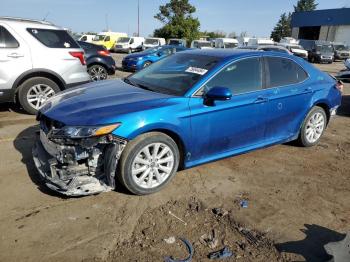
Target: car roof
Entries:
(27, 23)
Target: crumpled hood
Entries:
(100, 103)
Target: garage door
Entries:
(343, 34)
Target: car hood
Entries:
(100, 103)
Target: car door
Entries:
(14, 57)
(234, 124)
(289, 94)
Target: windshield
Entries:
(151, 50)
(324, 48)
(124, 40)
(341, 48)
(173, 75)
(230, 45)
(174, 42)
(150, 41)
(99, 37)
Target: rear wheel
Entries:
(34, 92)
(148, 163)
(97, 72)
(313, 127)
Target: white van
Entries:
(260, 41)
(129, 44)
(87, 38)
(289, 40)
(201, 44)
(226, 43)
(151, 42)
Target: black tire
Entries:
(303, 140)
(97, 72)
(25, 88)
(146, 64)
(132, 150)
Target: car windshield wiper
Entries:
(128, 81)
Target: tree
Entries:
(305, 5)
(178, 21)
(232, 35)
(283, 28)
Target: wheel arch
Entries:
(37, 73)
(325, 107)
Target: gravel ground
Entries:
(298, 200)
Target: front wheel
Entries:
(313, 127)
(148, 163)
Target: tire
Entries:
(138, 183)
(97, 72)
(39, 88)
(318, 116)
(146, 64)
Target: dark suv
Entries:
(319, 51)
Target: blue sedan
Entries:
(188, 109)
(137, 61)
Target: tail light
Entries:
(104, 52)
(340, 86)
(80, 56)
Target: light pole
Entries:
(138, 17)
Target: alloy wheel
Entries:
(38, 95)
(98, 73)
(315, 127)
(152, 165)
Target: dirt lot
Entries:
(298, 200)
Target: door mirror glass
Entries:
(218, 93)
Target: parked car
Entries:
(226, 43)
(341, 51)
(318, 51)
(152, 42)
(176, 41)
(86, 38)
(129, 44)
(37, 60)
(296, 49)
(135, 62)
(188, 109)
(260, 41)
(99, 61)
(108, 39)
(201, 44)
(274, 48)
(344, 75)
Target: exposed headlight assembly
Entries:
(83, 131)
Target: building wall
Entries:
(295, 32)
(342, 34)
(327, 33)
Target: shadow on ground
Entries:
(344, 109)
(312, 246)
(24, 143)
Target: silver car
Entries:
(37, 60)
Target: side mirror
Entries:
(217, 93)
(160, 54)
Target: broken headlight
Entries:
(83, 131)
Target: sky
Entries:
(256, 17)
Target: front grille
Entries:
(344, 55)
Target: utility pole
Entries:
(138, 17)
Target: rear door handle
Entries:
(15, 55)
(261, 99)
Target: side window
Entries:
(240, 77)
(131, 41)
(284, 71)
(6, 39)
(108, 38)
(84, 38)
(53, 38)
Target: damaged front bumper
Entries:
(78, 167)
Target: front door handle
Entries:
(15, 55)
(261, 99)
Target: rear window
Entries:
(53, 38)
(284, 72)
(6, 39)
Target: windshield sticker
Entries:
(196, 70)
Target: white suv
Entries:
(37, 60)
